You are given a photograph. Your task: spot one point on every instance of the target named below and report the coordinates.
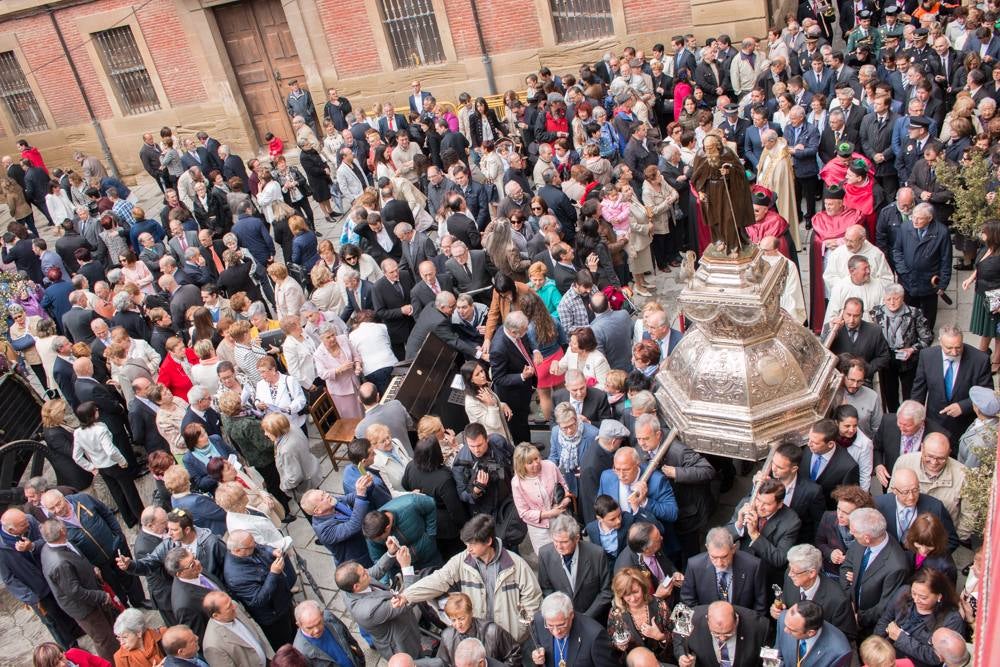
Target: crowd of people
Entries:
(189, 344)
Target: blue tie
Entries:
(861, 573)
(814, 470)
(949, 379)
(802, 649)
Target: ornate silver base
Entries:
(745, 375)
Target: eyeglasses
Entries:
(536, 208)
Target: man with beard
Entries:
(722, 188)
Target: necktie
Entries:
(921, 234)
(814, 470)
(206, 583)
(183, 242)
(435, 288)
(932, 173)
(905, 519)
(654, 567)
(523, 350)
(802, 594)
(468, 269)
(399, 288)
(859, 574)
(219, 266)
(802, 652)
(392, 123)
(724, 659)
(723, 586)
(836, 138)
(853, 335)
(949, 379)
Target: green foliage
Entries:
(969, 182)
(978, 487)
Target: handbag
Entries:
(23, 343)
(992, 300)
(678, 213)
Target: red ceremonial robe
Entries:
(861, 197)
(772, 225)
(825, 227)
(835, 171)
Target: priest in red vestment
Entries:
(859, 194)
(767, 221)
(829, 226)
(835, 171)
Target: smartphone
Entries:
(361, 469)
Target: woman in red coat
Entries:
(176, 367)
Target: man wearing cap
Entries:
(921, 54)
(733, 125)
(809, 50)
(913, 149)
(829, 227)
(891, 23)
(300, 103)
(982, 432)
(768, 222)
(596, 460)
(864, 33)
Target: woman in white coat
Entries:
(298, 349)
(390, 457)
(277, 393)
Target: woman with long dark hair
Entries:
(546, 339)
(986, 277)
(484, 124)
(928, 603)
(482, 405)
(588, 244)
(428, 474)
(94, 450)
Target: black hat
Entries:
(920, 33)
(845, 149)
(859, 167)
(891, 10)
(761, 199)
(293, 82)
(865, 14)
(833, 192)
(732, 108)
(918, 122)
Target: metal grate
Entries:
(576, 20)
(127, 70)
(413, 34)
(18, 97)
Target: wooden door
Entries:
(264, 59)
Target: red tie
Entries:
(392, 123)
(435, 288)
(524, 351)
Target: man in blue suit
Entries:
(418, 97)
(819, 79)
(803, 141)
(804, 638)
(655, 497)
(391, 121)
(975, 42)
(752, 144)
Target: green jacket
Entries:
(415, 526)
(245, 434)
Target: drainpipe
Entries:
(491, 82)
(98, 130)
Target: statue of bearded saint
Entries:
(724, 196)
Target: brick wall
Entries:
(350, 36)
(651, 15)
(508, 25)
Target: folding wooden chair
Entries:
(334, 431)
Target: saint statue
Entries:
(723, 194)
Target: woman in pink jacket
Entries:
(534, 488)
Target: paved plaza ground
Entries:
(20, 631)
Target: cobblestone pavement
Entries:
(20, 631)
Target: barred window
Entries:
(413, 34)
(577, 20)
(127, 70)
(18, 97)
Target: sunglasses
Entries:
(536, 208)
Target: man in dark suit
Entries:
(76, 322)
(803, 142)
(559, 204)
(945, 373)
(637, 155)
(922, 259)
(469, 270)
(874, 568)
(74, 586)
(376, 236)
(153, 526)
(876, 142)
(613, 331)
(753, 145)
(567, 638)
(460, 223)
(431, 284)
(805, 637)
(232, 165)
(645, 552)
(681, 60)
(725, 573)
(416, 248)
(476, 196)
(609, 529)
(825, 463)
(858, 338)
(208, 151)
(112, 412)
(359, 295)
(836, 134)
(391, 300)
(905, 503)
(734, 126)
(182, 297)
(142, 419)
(513, 372)
(62, 370)
(189, 588)
(712, 76)
(898, 434)
(201, 412)
(817, 77)
(803, 496)
(577, 568)
(590, 403)
(390, 121)
(456, 141)
(436, 319)
(737, 633)
(766, 528)
(805, 581)
(393, 210)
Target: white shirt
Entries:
(812, 590)
(287, 398)
(789, 494)
(371, 340)
(94, 448)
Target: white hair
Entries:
(912, 410)
(806, 557)
(869, 522)
(557, 604)
(564, 523)
(470, 652)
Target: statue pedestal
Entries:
(745, 375)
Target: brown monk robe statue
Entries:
(724, 196)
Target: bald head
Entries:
(950, 647)
(401, 660)
(721, 618)
(83, 367)
(14, 522)
(641, 657)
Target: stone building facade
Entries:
(223, 66)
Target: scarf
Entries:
(845, 442)
(569, 449)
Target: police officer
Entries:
(734, 126)
(921, 54)
(891, 23)
(864, 34)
